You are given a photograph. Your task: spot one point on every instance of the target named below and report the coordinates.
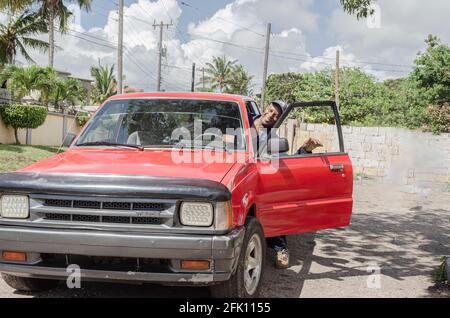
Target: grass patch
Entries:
(14, 157)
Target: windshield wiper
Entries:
(106, 143)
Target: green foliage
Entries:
(105, 83)
(362, 8)
(17, 34)
(240, 81)
(67, 92)
(432, 80)
(439, 118)
(23, 116)
(21, 81)
(226, 76)
(440, 275)
(219, 73)
(418, 101)
(82, 118)
(432, 74)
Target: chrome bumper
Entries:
(222, 250)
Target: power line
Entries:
(349, 60)
(127, 54)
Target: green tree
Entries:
(219, 73)
(17, 34)
(50, 11)
(22, 117)
(432, 71)
(432, 79)
(240, 81)
(21, 81)
(362, 8)
(105, 83)
(68, 92)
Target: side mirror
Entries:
(277, 146)
(69, 139)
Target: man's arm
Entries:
(308, 146)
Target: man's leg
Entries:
(279, 244)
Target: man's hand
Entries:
(311, 144)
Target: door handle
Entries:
(337, 167)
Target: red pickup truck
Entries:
(138, 198)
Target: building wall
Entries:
(49, 134)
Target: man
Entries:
(263, 125)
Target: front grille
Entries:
(86, 218)
(117, 205)
(86, 204)
(58, 203)
(57, 217)
(102, 210)
(102, 219)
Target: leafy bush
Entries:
(439, 118)
(82, 118)
(22, 117)
(440, 275)
(420, 100)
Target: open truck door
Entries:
(300, 191)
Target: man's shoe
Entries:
(282, 259)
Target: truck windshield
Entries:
(165, 123)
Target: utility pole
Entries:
(203, 78)
(338, 53)
(193, 77)
(266, 64)
(120, 50)
(160, 51)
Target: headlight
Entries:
(14, 207)
(196, 214)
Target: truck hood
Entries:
(156, 163)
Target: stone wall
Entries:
(414, 160)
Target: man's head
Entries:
(272, 113)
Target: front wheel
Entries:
(246, 281)
(27, 284)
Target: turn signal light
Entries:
(195, 265)
(14, 256)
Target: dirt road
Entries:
(399, 235)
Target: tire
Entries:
(236, 286)
(27, 284)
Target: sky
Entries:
(305, 37)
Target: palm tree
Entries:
(68, 91)
(17, 35)
(22, 81)
(240, 81)
(105, 83)
(219, 73)
(49, 10)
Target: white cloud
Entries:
(404, 26)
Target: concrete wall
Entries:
(412, 159)
(51, 133)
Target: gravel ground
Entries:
(400, 235)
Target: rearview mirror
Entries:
(277, 145)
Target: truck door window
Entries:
(310, 131)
